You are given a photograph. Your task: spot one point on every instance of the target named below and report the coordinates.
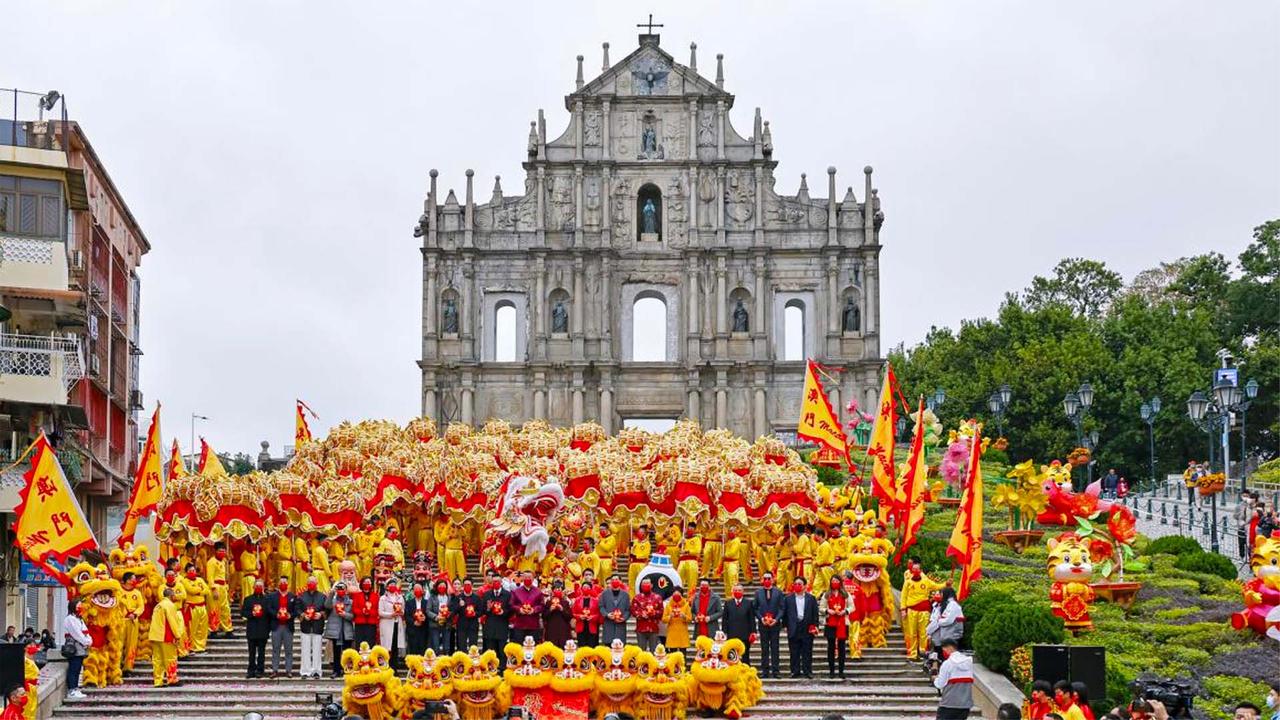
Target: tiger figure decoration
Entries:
(1071, 570)
(1262, 592)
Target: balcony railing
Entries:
(31, 120)
(39, 369)
(33, 262)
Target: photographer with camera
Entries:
(433, 709)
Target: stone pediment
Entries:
(649, 72)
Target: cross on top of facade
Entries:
(650, 25)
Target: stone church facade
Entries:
(530, 301)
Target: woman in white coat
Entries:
(391, 621)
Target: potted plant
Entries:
(1024, 498)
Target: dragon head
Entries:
(368, 677)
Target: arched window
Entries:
(649, 329)
(793, 331)
(504, 332)
(649, 213)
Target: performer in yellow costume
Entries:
(284, 560)
(30, 682)
(219, 593)
(197, 599)
(553, 565)
(764, 546)
(687, 563)
(248, 571)
(390, 545)
(454, 561)
(669, 539)
(606, 550)
(786, 565)
(166, 633)
(134, 604)
(712, 553)
(802, 558)
(301, 555)
(588, 559)
(730, 568)
(363, 552)
(824, 563)
(916, 589)
(337, 554)
(744, 556)
(640, 553)
(320, 565)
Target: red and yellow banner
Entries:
(302, 431)
(818, 422)
(209, 462)
(50, 523)
(148, 487)
(880, 450)
(911, 489)
(966, 538)
(177, 468)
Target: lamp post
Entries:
(1250, 392)
(998, 404)
(1212, 414)
(1075, 405)
(901, 427)
(194, 418)
(1148, 412)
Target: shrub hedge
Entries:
(1173, 545)
(1006, 627)
(1210, 563)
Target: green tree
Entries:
(1085, 286)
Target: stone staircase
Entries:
(882, 685)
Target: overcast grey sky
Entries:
(276, 154)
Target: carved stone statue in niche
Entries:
(650, 148)
(741, 321)
(677, 212)
(852, 317)
(450, 319)
(650, 76)
(706, 128)
(650, 222)
(559, 318)
(621, 199)
(591, 128)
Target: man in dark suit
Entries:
(467, 608)
(768, 607)
(615, 608)
(800, 615)
(739, 621)
(496, 621)
(707, 609)
(257, 629)
(283, 608)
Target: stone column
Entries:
(429, 321)
(722, 295)
(539, 296)
(577, 135)
(833, 297)
(604, 144)
(761, 420)
(429, 403)
(694, 201)
(468, 407)
(577, 405)
(693, 130)
(606, 410)
(542, 201)
(695, 405)
(576, 316)
(606, 205)
(469, 216)
(606, 307)
(719, 219)
(694, 301)
(540, 404)
(871, 313)
(759, 327)
(577, 203)
(757, 220)
(720, 130)
(722, 407)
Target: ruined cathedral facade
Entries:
(649, 269)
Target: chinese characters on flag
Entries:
(880, 450)
(966, 538)
(817, 421)
(147, 484)
(209, 462)
(302, 431)
(911, 489)
(50, 523)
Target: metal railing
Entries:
(1166, 511)
(42, 356)
(24, 123)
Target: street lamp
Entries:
(1075, 405)
(998, 404)
(934, 401)
(1212, 414)
(1148, 412)
(1250, 392)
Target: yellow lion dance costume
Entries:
(427, 678)
(529, 668)
(721, 682)
(370, 688)
(572, 680)
(615, 679)
(479, 690)
(1262, 593)
(100, 597)
(662, 687)
(869, 559)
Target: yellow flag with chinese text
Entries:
(966, 537)
(880, 450)
(302, 431)
(50, 523)
(911, 488)
(818, 423)
(177, 468)
(148, 486)
(209, 462)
